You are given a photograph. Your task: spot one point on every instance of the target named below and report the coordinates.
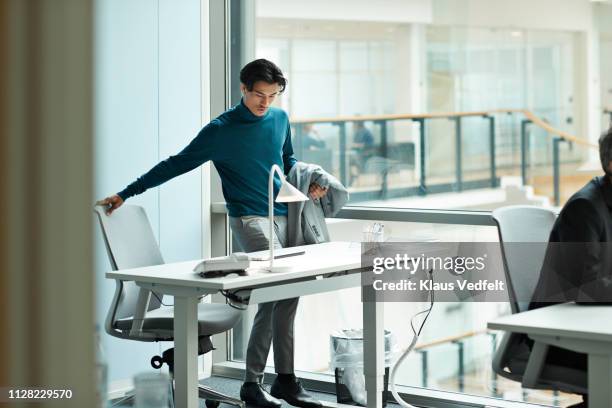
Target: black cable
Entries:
(431, 292)
(236, 307)
(231, 297)
(428, 310)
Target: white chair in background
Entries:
(518, 226)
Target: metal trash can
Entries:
(346, 354)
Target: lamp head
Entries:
(289, 194)
(286, 194)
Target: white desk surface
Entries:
(318, 260)
(567, 320)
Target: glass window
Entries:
(432, 113)
(476, 79)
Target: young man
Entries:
(243, 143)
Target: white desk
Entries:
(306, 274)
(585, 329)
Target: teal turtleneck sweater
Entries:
(242, 147)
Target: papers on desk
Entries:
(237, 263)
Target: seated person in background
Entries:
(578, 262)
(311, 139)
(362, 149)
(362, 138)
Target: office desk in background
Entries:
(585, 329)
(318, 270)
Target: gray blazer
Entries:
(306, 219)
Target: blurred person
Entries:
(311, 139)
(361, 150)
(362, 136)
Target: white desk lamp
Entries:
(287, 194)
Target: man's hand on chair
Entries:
(316, 191)
(111, 203)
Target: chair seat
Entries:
(213, 318)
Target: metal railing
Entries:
(556, 137)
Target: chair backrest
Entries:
(523, 262)
(130, 243)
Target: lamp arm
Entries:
(273, 169)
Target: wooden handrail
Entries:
(564, 135)
(450, 339)
(528, 114)
(399, 116)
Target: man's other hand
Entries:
(111, 203)
(316, 191)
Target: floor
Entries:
(232, 387)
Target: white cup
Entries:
(373, 233)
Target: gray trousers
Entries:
(273, 322)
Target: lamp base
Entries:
(278, 269)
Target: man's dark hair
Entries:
(262, 70)
(605, 150)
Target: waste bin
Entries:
(346, 354)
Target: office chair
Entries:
(522, 266)
(130, 243)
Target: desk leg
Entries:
(600, 380)
(186, 352)
(373, 351)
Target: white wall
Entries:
(407, 11)
(529, 14)
(148, 106)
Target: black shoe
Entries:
(253, 393)
(293, 392)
